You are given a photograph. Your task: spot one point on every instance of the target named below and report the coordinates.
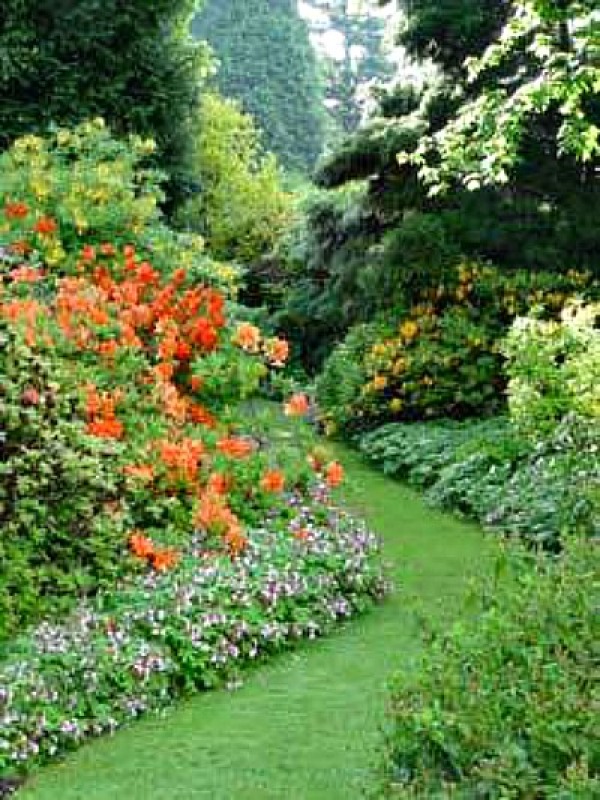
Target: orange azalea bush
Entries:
(152, 359)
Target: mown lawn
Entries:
(307, 725)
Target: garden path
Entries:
(307, 726)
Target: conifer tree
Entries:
(266, 61)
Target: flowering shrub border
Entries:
(192, 628)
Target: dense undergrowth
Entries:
(503, 703)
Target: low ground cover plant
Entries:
(487, 471)
(164, 634)
(536, 473)
(505, 703)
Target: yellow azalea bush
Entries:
(442, 357)
(98, 191)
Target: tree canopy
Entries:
(140, 71)
(266, 61)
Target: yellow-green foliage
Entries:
(554, 368)
(242, 208)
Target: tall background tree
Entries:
(134, 64)
(349, 34)
(383, 244)
(266, 61)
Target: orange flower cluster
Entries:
(235, 447)
(25, 313)
(247, 337)
(214, 515)
(118, 309)
(101, 413)
(296, 406)
(273, 481)
(182, 459)
(160, 559)
(15, 210)
(45, 226)
(277, 351)
(25, 274)
(140, 472)
(333, 472)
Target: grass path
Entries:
(305, 727)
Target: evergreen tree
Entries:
(360, 62)
(134, 64)
(266, 61)
(447, 31)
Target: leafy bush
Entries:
(60, 534)
(99, 191)
(343, 378)
(504, 704)
(554, 368)
(242, 207)
(324, 273)
(488, 471)
(140, 70)
(443, 358)
(192, 628)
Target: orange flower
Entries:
(247, 337)
(277, 351)
(179, 276)
(24, 274)
(140, 545)
(142, 472)
(211, 511)
(218, 483)
(107, 249)
(297, 406)
(162, 560)
(183, 351)
(182, 458)
(105, 428)
(236, 541)
(200, 415)
(235, 447)
(15, 210)
(273, 481)
(334, 474)
(21, 248)
(88, 253)
(108, 349)
(204, 334)
(45, 226)
(195, 383)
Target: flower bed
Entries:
(169, 633)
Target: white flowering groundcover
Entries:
(166, 635)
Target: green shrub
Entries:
(62, 530)
(554, 369)
(343, 377)
(505, 703)
(242, 207)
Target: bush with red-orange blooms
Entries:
(154, 355)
